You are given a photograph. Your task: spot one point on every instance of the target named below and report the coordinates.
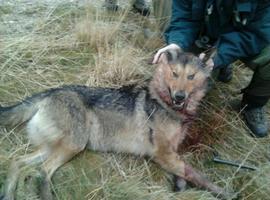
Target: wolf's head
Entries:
(180, 79)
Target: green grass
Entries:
(52, 43)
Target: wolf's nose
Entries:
(180, 96)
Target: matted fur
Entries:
(147, 121)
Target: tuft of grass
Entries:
(46, 44)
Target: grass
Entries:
(46, 44)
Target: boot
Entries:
(256, 120)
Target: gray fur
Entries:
(62, 122)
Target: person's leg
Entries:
(257, 94)
(162, 13)
(141, 6)
(111, 5)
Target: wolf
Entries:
(150, 120)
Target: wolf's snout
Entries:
(179, 96)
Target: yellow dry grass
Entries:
(45, 44)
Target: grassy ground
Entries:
(45, 44)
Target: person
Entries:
(140, 6)
(238, 29)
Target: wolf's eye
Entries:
(190, 77)
(175, 75)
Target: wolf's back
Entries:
(17, 114)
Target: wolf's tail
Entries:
(17, 114)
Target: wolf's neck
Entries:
(160, 92)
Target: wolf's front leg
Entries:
(171, 162)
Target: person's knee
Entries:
(259, 61)
(263, 72)
(259, 86)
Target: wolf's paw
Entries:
(179, 184)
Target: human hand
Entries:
(171, 47)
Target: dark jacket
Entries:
(240, 28)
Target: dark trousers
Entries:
(257, 93)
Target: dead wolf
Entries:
(147, 121)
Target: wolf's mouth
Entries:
(179, 105)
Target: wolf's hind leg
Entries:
(14, 171)
(60, 154)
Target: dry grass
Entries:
(46, 44)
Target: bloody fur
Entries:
(141, 120)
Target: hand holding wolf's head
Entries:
(171, 48)
(171, 52)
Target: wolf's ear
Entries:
(207, 65)
(207, 58)
(169, 56)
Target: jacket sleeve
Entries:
(183, 28)
(247, 42)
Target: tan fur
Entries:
(63, 126)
